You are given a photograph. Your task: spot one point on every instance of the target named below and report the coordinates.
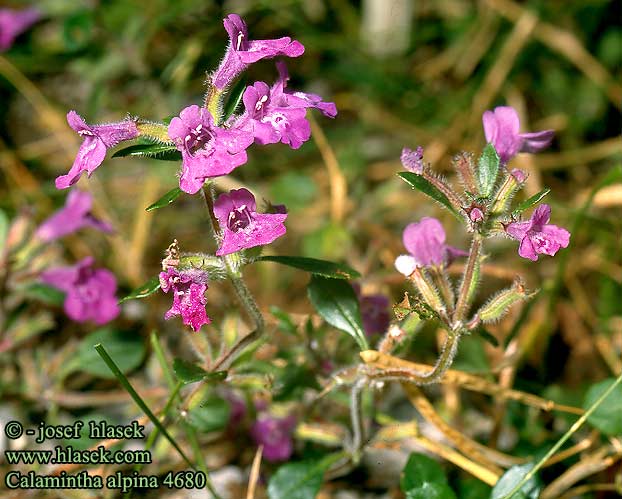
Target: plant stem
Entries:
(450, 346)
(462, 305)
(356, 417)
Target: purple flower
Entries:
(277, 115)
(425, 241)
(242, 226)
(374, 311)
(188, 295)
(413, 160)
(206, 150)
(537, 236)
(275, 434)
(90, 292)
(13, 23)
(242, 51)
(72, 217)
(97, 138)
(501, 127)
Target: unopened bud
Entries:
(427, 290)
(476, 215)
(512, 183)
(463, 163)
(212, 265)
(499, 304)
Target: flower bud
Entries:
(427, 290)
(512, 183)
(499, 304)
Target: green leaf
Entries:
(431, 491)
(163, 152)
(291, 381)
(423, 478)
(423, 185)
(165, 200)
(533, 200)
(606, 417)
(45, 294)
(336, 302)
(487, 170)
(511, 478)
(187, 372)
(212, 415)
(300, 480)
(318, 267)
(486, 336)
(235, 97)
(150, 287)
(125, 347)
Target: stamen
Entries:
(240, 38)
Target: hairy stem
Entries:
(356, 417)
(464, 296)
(448, 352)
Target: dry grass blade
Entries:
(337, 180)
(589, 465)
(253, 479)
(486, 456)
(568, 46)
(467, 381)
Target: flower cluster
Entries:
(212, 145)
(90, 292)
(484, 207)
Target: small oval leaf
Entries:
(423, 185)
(165, 200)
(187, 372)
(150, 287)
(235, 97)
(300, 480)
(606, 417)
(125, 347)
(162, 152)
(336, 302)
(423, 478)
(318, 267)
(487, 170)
(511, 478)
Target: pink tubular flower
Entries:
(413, 160)
(537, 236)
(277, 115)
(425, 241)
(242, 226)
(206, 150)
(275, 434)
(13, 23)
(501, 127)
(188, 295)
(90, 292)
(72, 217)
(97, 138)
(242, 52)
